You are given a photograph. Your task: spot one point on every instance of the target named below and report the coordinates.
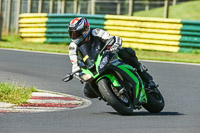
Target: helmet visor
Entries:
(75, 34)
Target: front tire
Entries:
(108, 94)
(155, 101)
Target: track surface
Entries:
(179, 84)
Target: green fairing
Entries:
(109, 76)
(97, 63)
(126, 68)
(143, 93)
(86, 71)
(143, 96)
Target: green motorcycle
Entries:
(116, 82)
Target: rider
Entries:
(80, 33)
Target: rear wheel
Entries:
(120, 102)
(155, 101)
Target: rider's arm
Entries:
(105, 36)
(74, 58)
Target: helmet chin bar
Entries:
(79, 40)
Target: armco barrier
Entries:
(172, 35)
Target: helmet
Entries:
(78, 29)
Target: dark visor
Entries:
(75, 34)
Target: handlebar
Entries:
(69, 76)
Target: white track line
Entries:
(86, 102)
(167, 62)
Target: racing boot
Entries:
(146, 77)
(88, 91)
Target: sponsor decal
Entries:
(85, 58)
(71, 48)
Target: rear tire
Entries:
(106, 90)
(155, 102)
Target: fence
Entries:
(12, 8)
(172, 35)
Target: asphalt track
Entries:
(179, 84)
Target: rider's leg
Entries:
(128, 55)
(88, 92)
(146, 77)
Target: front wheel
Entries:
(155, 101)
(123, 105)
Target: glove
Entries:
(114, 47)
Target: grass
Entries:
(169, 56)
(15, 93)
(187, 10)
(15, 42)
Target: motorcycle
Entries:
(116, 82)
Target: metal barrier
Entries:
(172, 35)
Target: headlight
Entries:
(86, 77)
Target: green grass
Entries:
(169, 56)
(15, 93)
(187, 11)
(15, 42)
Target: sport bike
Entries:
(116, 82)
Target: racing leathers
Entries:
(126, 54)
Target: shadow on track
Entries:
(148, 114)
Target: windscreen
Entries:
(89, 53)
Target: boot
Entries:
(146, 77)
